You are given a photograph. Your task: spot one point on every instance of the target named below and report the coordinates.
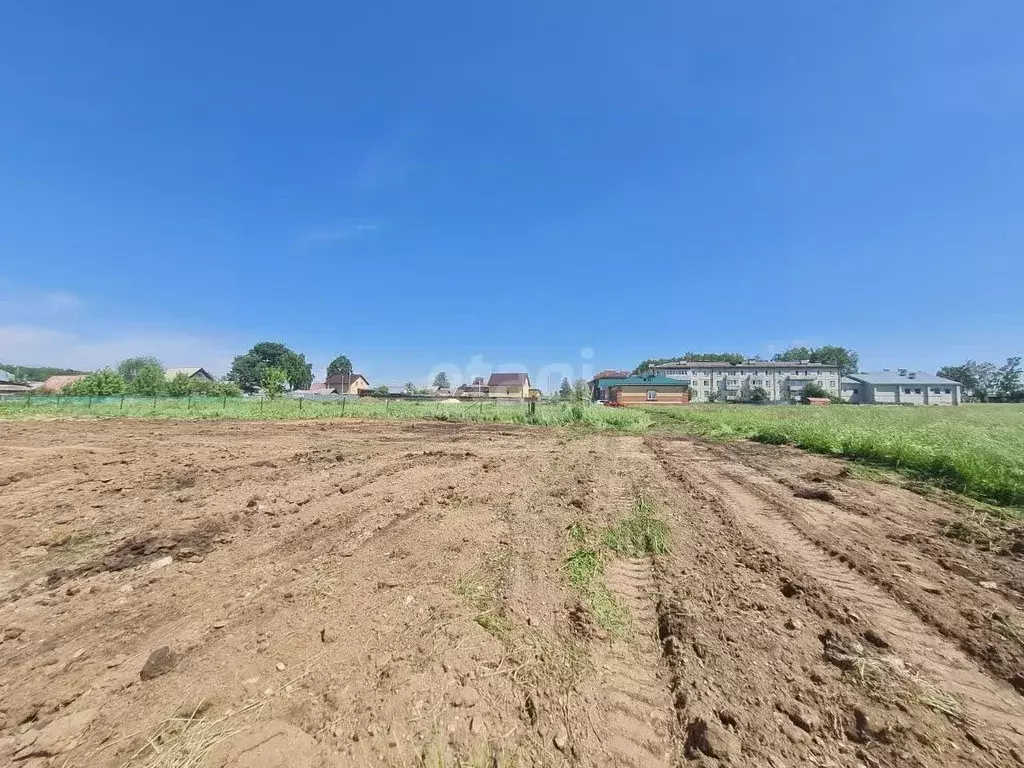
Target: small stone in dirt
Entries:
(13, 633)
(280, 667)
(794, 624)
(476, 725)
(801, 718)
(163, 562)
(818, 494)
(561, 741)
(160, 662)
(117, 661)
(466, 697)
(875, 639)
(988, 585)
(712, 739)
(791, 588)
(219, 624)
(72, 591)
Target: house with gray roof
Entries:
(901, 387)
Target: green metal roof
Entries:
(642, 381)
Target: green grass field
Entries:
(977, 450)
(549, 414)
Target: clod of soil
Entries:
(818, 494)
(160, 662)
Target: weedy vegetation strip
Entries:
(976, 450)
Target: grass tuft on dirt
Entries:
(641, 533)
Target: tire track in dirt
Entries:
(986, 699)
(635, 724)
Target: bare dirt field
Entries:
(304, 594)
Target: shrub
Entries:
(105, 382)
(148, 380)
(273, 382)
(814, 389)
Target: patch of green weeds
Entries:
(642, 533)
(495, 624)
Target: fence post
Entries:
(343, 409)
(261, 406)
(387, 406)
(190, 400)
(58, 399)
(122, 403)
(224, 405)
(89, 405)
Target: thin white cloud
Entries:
(35, 303)
(41, 345)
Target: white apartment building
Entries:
(783, 381)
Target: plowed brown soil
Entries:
(397, 594)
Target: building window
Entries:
(707, 383)
(906, 390)
(917, 391)
(936, 391)
(949, 392)
(652, 394)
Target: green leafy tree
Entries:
(580, 391)
(708, 357)
(179, 386)
(382, 390)
(340, 364)
(1008, 385)
(813, 389)
(37, 373)
(979, 380)
(847, 360)
(149, 380)
(565, 390)
(441, 380)
(712, 396)
(101, 383)
(793, 355)
(247, 370)
(410, 388)
(758, 395)
(131, 367)
(226, 389)
(274, 381)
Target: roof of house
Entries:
(14, 386)
(747, 364)
(508, 380)
(170, 373)
(5, 376)
(609, 374)
(649, 380)
(344, 379)
(896, 377)
(57, 383)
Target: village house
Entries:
(509, 385)
(649, 389)
(193, 373)
(345, 383)
(782, 381)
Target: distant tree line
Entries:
(987, 383)
(37, 373)
(146, 376)
(846, 359)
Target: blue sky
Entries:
(424, 185)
